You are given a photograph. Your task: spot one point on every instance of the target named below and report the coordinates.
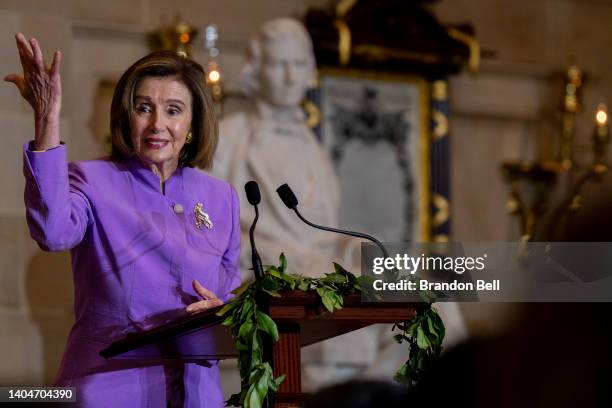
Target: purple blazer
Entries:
(134, 257)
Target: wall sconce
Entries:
(601, 139)
(213, 80)
(531, 183)
(177, 37)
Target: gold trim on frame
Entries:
(424, 228)
(344, 42)
(440, 90)
(443, 210)
(440, 124)
(473, 45)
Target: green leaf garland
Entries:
(250, 326)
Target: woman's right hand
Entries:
(41, 86)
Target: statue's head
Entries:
(281, 63)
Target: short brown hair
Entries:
(198, 153)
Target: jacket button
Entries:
(178, 209)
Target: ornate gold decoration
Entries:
(202, 218)
(576, 203)
(473, 45)
(313, 114)
(178, 37)
(441, 124)
(344, 42)
(574, 80)
(189, 137)
(601, 139)
(443, 210)
(344, 6)
(439, 93)
(441, 238)
(439, 90)
(530, 185)
(513, 204)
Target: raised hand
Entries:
(40, 85)
(210, 299)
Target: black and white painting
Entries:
(372, 129)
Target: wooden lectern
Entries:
(301, 321)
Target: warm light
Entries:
(184, 38)
(214, 76)
(601, 116)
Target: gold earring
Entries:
(189, 138)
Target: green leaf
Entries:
(304, 285)
(328, 302)
(247, 308)
(288, 279)
(274, 272)
(240, 346)
(422, 340)
(262, 385)
(340, 269)
(252, 398)
(278, 380)
(282, 262)
(403, 374)
(420, 361)
(272, 293)
(242, 288)
(256, 374)
(266, 324)
(227, 307)
(431, 327)
(275, 383)
(334, 278)
(326, 298)
(339, 301)
(412, 327)
(255, 349)
(246, 329)
(270, 283)
(228, 321)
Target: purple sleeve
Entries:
(58, 210)
(231, 256)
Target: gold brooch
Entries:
(202, 218)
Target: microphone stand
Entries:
(345, 232)
(255, 259)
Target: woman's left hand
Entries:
(210, 299)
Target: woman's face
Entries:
(161, 121)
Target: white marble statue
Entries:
(271, 143)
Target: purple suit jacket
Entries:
(134, 259)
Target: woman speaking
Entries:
(151, 237)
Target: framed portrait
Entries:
(376, 128)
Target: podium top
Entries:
(202, 337)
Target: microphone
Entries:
(254, 197)
(252, 192)
(286, 194)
